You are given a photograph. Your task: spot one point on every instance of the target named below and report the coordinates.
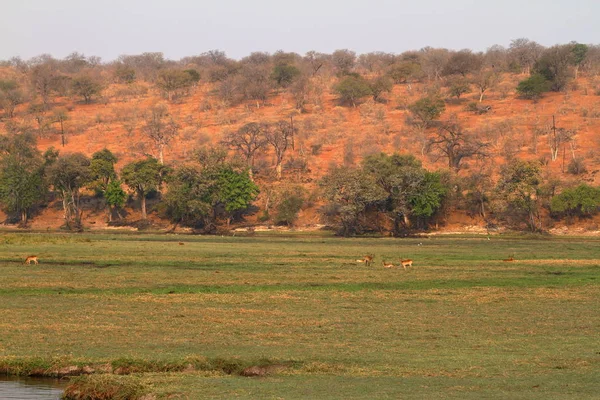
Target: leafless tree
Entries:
(280, 136)
(316, 61)
(434, 61)
(247, 141)
(525, 53)
(456, 144)
(160, 127)
(343, 61)
(485, 80)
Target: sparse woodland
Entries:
(370, 143)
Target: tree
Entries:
(284, 74)
(580, 52)
(485, 80)
(315, 61)
(380, 85)
(199, 194)
(124, 73)
(458, 86)
(350, 193)
(10, 96)
(60, 115)
(173, 81)
(102, 171)
(22, 185)
(519, 186)
(236, 191)
(525, 53)
(352, 88)
(456, 144)
(247, 140)
(69, 174)
(533, 87)
(554, 64)
(405, 72)
(279, 135)
(463, 62)
(426, 110)
(86, 86)
(115, 197)
(143, 177)
(289, 206)
(582, 200)
(343, 61)
(160, 127)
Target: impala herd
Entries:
(368, 261)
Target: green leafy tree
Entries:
(115, 197)
(352, 88)
(519, 187)
(173, 81)
(22, 184)
(284, 75)
(426, 110)
(102, 168)
(458, 86)
(69, 174)
(379, 86)
(350, 193)
(143, 177)
(290, 204)
(236, 191)
(533, 87)
(582, 200)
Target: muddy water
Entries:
(30, 389)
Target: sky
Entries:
(179, 28)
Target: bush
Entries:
(533, 87)
(289, 207)
(577, 166)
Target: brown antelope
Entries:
(509, 259)
(368, 260)
(406, 263)
(387, 264)
(29, 259)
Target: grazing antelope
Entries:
(181, 243)
(387, 264)
(509, 259)
(406, 263)
(29, 259)
(368, 260)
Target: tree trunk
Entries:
(23, 217)
(278, 169)
(481, 96)
(143, 199)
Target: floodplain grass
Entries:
(460, 324)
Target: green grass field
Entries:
(460, 324)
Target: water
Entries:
(30, 389)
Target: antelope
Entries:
(387, 264)
(368, 260)
(29, 259)
(509, 259)
(406, 263)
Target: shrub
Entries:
(533, 87)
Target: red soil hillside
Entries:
(328, 134)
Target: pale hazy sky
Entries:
(178, 28)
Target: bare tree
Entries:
(61, 115)
(434, 61)
(160, 127)
(247, 141)
(343, 61)
(485, 80)
(525, 53)
(280, 136)
(456, 144)
(316, 61)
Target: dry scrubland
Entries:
(329, 132)
(185, 320)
